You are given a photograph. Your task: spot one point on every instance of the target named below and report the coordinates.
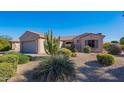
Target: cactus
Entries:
(51, 43)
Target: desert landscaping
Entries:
(87, 70)
(63, 64)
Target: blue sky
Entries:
(63, 23)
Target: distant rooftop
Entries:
(15, 40)
(67, 37)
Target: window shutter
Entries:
(86, 42)
(96, 43)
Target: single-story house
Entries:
(32, 42)
(95, 41)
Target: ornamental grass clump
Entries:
(55, 69)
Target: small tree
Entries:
(114, 41)
(6, 37)
(4, 45)
(122, 41)
(51, 43)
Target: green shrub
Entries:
(122, 47)
(13, 52)
(106, 45)
(73, 55)
(30, 57)
(122, 41)
(105, 59)
(7, 70)
(4, 45)
(65, 52)
(23, 59)
(72, 48)
(114, 49)
(55, 68)
(10, 58)
(115, 41)
(87, 49)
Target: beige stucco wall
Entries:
(41, 46)
(61, 43)
(15, 46)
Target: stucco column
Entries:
(100, 43)
(21, 47)
(40, 46)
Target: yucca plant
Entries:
(55, 69)
(51, 43)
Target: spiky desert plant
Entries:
(51, 43)
(55, 69)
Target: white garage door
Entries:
(29, 47)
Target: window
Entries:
(92, 43)
(78, 41)
(68, 42)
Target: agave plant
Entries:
(56, 69)
(51, 43)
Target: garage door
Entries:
(29, 47)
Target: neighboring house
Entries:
(32, 42)
(15, 45)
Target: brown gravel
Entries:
(88, 70)
(22, 69)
